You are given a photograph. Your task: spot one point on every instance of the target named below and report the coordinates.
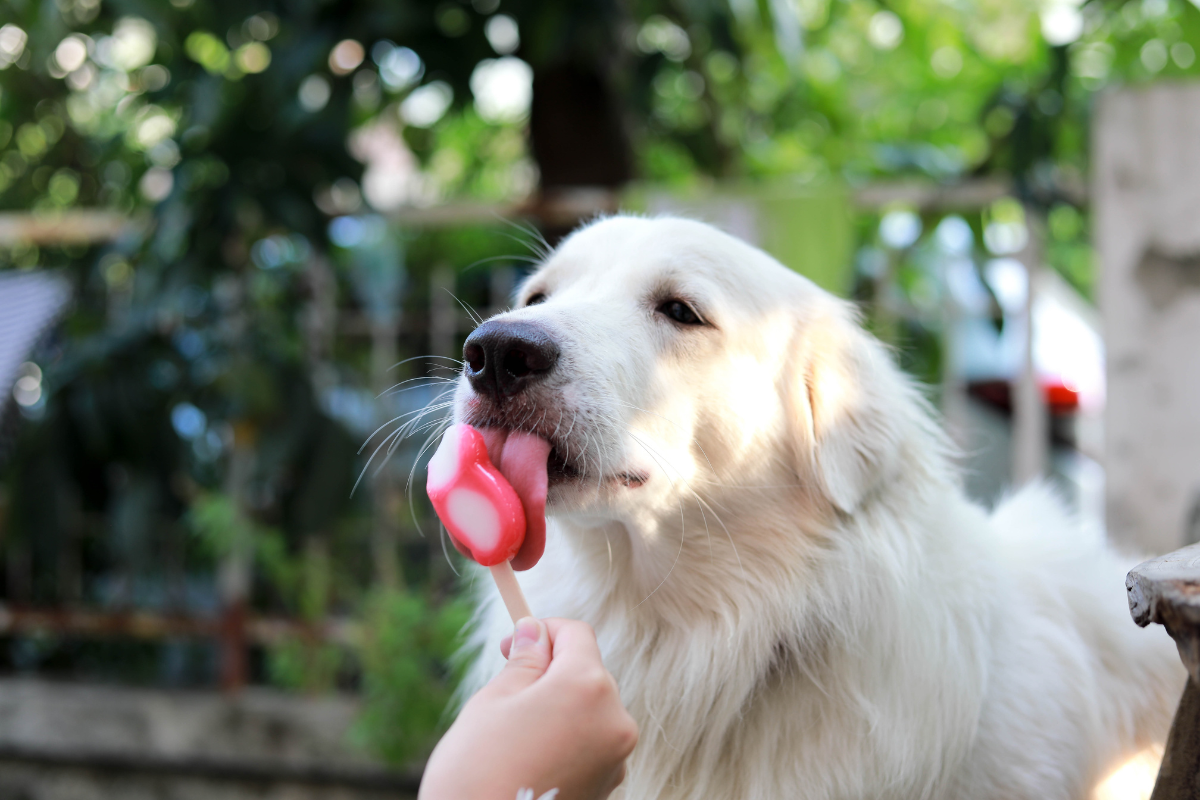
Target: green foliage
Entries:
(307, 666)
(225, 530)
(407, 645)
(866, 89)
(1068, 248)
(468, 157)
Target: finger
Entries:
(528, 657)
(619, 777)
(574, 644)
(553, 625)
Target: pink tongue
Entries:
(521, 459)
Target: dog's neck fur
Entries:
(772, 614)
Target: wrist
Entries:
(438, 790)
(481, 783)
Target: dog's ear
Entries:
(846, 395)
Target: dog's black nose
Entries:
(506, 356)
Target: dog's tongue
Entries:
(521, 458)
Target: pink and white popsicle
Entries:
(486, 518)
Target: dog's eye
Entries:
(681, 312)
(534, 299)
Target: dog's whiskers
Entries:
(675, 424)
(389, 422)
(489, 259)
(708, 481)
(395, 435)
(699, 502)
(682, 526)
(418, 421)
(420, 429)
(439, 427)
(442, 536)
(539, 246)
(702, 505)
(474, 315)
(429, 356)
(396, 390)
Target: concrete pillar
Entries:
(1146, 228)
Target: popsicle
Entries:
(481, 510)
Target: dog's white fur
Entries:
(799, 601)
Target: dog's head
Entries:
(674, 368)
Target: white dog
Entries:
(760, 517)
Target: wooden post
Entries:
(954, 386)
(234, 667)
(70, 561)
(1031, 424)
(17, 558)
(235, 571)
(443, 314)
(1181, 760)
(1166, 590)
(502, 284)
(387, 498)
(319, 322)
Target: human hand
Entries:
(552, 719)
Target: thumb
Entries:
(528, 657)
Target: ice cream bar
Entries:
(479, 508)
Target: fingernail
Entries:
(527, 633)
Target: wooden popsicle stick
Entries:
(510, 591)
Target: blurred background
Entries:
(241, 243)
